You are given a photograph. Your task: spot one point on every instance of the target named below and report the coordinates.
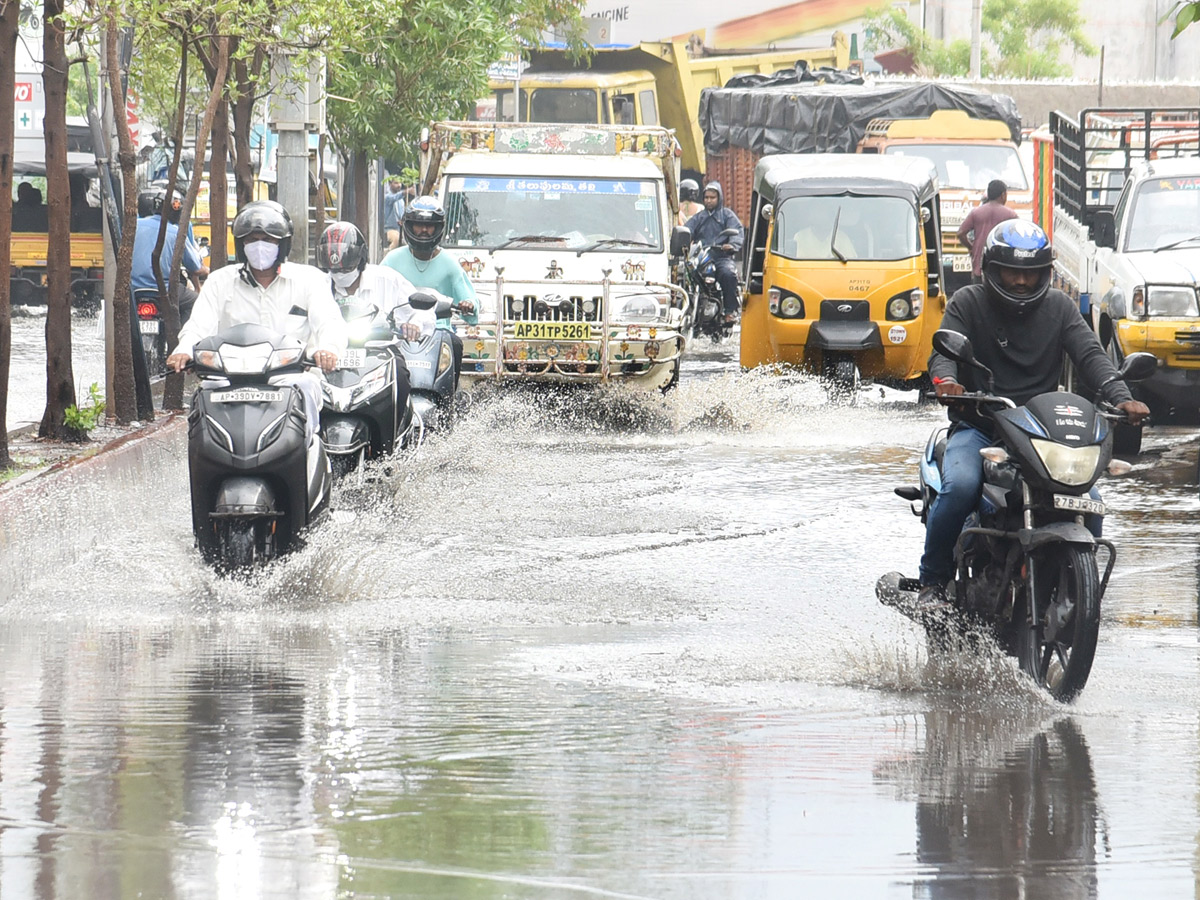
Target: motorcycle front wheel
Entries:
(1057, 649)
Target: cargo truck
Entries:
(1126, 232)
(652, 83)
(568, 234)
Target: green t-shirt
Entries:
(442, 273)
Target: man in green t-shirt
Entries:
(424, 264)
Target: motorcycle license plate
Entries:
(353, 358)
(247, 395)
(149, 326)
(1079, 504)
(962, 263)
(553, 331)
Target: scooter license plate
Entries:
(149, 326)
(247, 395)
(553, 331)
(1079, 504)
(962, 263)
(353, 358)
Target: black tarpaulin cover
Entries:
(832, 118)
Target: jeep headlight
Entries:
(1171, 301)
(1068, 465)
(640, 308)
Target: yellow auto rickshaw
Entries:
(844, 266)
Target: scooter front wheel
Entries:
(1056, 647)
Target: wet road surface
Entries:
(596, 649)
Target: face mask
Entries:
(261, 254)
(344, 280)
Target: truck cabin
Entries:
(967, 152)
(574, 98)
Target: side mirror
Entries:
(422, 300)
(767, 211)
(1138, 366)
(926, 215)
(954, 345)
(1104, 229)
(681, 239)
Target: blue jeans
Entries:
(727, 278)
(962, 483)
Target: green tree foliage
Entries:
(1021, 39)
(1185, 14)
(405, 64)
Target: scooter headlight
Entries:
(445, 359)
(210, 359)
(250, 360)
(287, 357)
(371, 384)
(1068, 465)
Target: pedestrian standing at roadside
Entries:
(393, 212)
(980, 221)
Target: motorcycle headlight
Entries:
(1173, 302)
(1068, 465)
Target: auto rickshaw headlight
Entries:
(773, 300)
(784, 303)
(906, 305)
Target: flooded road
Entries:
(594, 649)
(27, 380)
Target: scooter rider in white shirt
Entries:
(287, 297)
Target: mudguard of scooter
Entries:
(344, 435)
(242, 496)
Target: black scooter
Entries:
(433, 370)
(362, 417)
(256, 482)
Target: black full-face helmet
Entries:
(424, 210)
(268, 217)
(342, 248)
(689, 190)
(1017, 244)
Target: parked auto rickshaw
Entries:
(844, 268)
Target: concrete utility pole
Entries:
(297, 106)
(976, 39)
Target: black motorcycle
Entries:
(1026, 567)
(362, 415)
(707, 301)
(433, 371)
(256, 482)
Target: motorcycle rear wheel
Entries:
(1060, 664)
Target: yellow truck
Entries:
(967, 153)
(652, 83)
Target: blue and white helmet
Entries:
(1017, 244)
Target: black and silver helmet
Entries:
(424, 210)
(342, 248)
(265, 216)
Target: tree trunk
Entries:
(173, 389)
(8, 60)
(218, 189)
(246, 73)
(60, 380)
(122, 306)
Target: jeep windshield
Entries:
(846, 227)
(531, 213)
(969, 167)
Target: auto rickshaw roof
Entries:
(805, 174)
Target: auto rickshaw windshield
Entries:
(846, 227)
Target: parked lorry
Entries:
(568, 234)
(1126, 232)
(969, 135)
(652, 83)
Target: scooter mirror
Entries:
(1138, 366)
(953, 344)
(422, 300)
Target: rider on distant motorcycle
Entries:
(1019, 328)
(706, 227)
